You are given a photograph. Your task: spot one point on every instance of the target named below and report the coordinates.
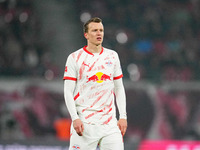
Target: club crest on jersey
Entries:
(76, 147)
(99, 77)
(109, 63)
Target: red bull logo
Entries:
(75, 147)
(99, 77)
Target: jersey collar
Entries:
(84, 48)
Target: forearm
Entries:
(120, 98)
(69, 87)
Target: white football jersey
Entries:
(94, 74)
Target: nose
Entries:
(99, 32)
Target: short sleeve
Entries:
(118, 71)
(70, 69)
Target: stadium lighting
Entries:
(121, 37)
(85, 16)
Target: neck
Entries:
(94, 48)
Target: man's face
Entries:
(95, 33)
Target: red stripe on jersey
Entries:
(104, 92)
(93, 65)
(107, 107)
(79, 55)
(82, 68)
(77, 95)
(92, 114)
(118, 77)
(69, 78)
(66, 69)
(110, 109)
(110, 104)
(106, 122)
(107, 100)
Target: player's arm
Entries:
(69, 87)
(121, 104)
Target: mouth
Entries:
(99, 38)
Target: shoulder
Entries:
(76, 53)
(110, 51)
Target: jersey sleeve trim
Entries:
(69, 78)
(118, 77)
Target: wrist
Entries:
(123, 116)
(74, 118)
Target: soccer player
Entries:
(92, 82)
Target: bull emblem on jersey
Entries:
(76, 147)
(99, 77)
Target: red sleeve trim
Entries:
(118, 77)
(69, 78)
(77, 95)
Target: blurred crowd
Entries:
(163, 35)
(32, 112)
(35, 112)
(163, 115)
(21, 51)
(162, 41)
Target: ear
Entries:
(85, 35)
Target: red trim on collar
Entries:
(101, 51)
(84, 48)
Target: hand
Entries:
(122, 124)
(78, 126)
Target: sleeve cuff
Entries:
(123, 116)
(75, 117)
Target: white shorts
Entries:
(108, 137)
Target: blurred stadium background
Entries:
(158, 42)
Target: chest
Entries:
(96, 66)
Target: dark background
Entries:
(158, 45)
